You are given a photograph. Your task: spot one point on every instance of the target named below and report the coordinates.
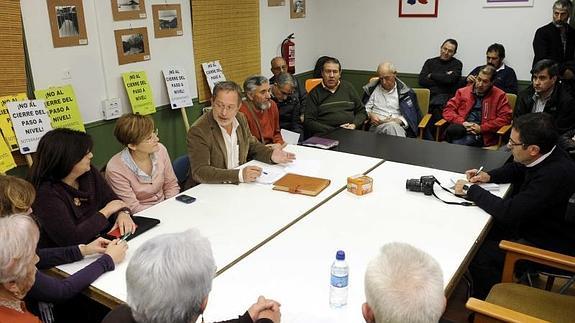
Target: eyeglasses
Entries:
(154, 135)
(512, 143)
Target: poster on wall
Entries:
(178, 87)
(167, 20)
(6, 159)
(128, 9)
(132, 45)
(5, 121)
(67, 23)
(418, 8)
(297, 9)
(214, 73)
(139, 92)
(30, 120)
(62, 107)
(508, 3)
(276, 3)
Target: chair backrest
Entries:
(512, 98)
(311, 83)
(422, 99)
(181, 167)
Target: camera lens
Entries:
(413, 185)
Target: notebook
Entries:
(143, 224)
(301, 184)
(319, 142)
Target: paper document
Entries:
(309, 167)
(485, 186)
(290, 137)
(270, 175)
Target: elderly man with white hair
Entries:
(169, 279)
(403, 285)
(391, 105)
(19, 235)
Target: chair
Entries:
(311, 83)
(501, 133)
(181, 166)
(511, 302)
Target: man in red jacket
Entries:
(477, 111)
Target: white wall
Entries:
(94, 69)
(363, 33)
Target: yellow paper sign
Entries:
(62, 107)
(6, 160)
(6, 122)
(139, 92)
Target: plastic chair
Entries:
(311, 83)
(181, 167)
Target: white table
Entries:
(234, 218)
(294, 267)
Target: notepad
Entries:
(300, 184)
(486, 186)
(319, 142)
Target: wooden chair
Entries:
(501, 133)
(311, 83)
(423, 101)
(511, 302)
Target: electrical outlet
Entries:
(111, 108)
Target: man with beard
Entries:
(505, 77)
(261, 112)
(477, 111)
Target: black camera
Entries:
(423, 184)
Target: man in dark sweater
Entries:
(543, 179)
(332, 104)
(547, 94)
(505, 77)
(441, 76)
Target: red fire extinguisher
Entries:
(288, 53)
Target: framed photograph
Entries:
(128, 9)
(297, 9)
(167, 20)
(276, 3)
(418, 8)
(508, 3)
(132, 45)
(67, 23)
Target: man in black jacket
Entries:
(543, 179)
(547, 94)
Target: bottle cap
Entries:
(340, 255)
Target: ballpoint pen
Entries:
(126, 236)
(479, 171)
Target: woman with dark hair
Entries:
(74, 204)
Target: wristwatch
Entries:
(466, 187)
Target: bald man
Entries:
(391, 105)
(279, 65)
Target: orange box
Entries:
(360, 184)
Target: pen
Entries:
(126, 236)
(265, 173)
(479, 171)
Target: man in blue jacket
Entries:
(391, 105)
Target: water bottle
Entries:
(339, 277)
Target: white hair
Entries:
(169, 277)
(404, 284)
(19, 235)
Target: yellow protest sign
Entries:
(139, 92)
(6, 122)
(62, 107)
(6, 160)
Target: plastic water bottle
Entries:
(339, 278)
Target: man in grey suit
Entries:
(220, 141)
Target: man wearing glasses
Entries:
(391, 105)
(290, 107)
(543, 178)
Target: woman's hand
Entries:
(97, 246)
(113, 207)
(117, 250)
(125, 223)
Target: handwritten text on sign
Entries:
(62, 107)
(214, 73)
(30, 121)
(178, 88)
(139, 92)
(6, 123)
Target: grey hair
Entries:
(19, 235)
(169, 277)
(284, 78)
(404, 284)
(252, 82)
(386, 66)
(563, 4)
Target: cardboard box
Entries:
(359, 184)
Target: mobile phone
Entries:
(185, 198)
